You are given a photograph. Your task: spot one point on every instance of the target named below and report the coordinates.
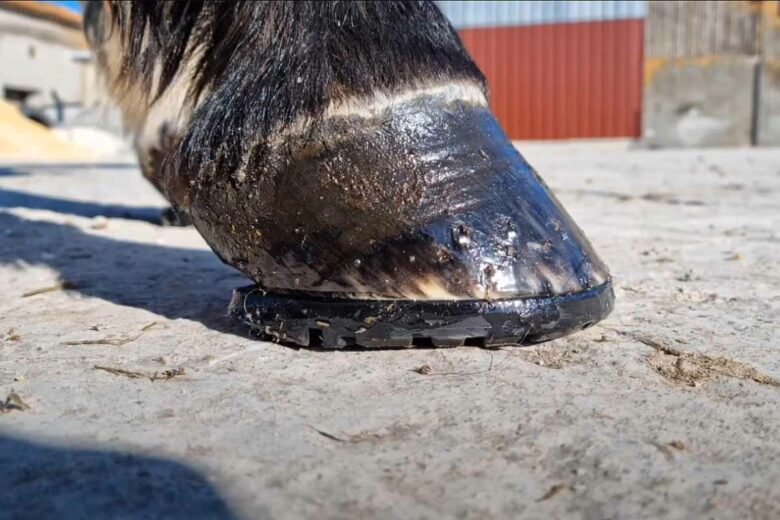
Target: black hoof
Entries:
(423, 218)
(329, 323)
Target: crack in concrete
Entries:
(692, 368)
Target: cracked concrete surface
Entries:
(139, 397)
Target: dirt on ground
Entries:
(22, 139)
(125, 390)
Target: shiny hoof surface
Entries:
(426, 201)
(338, 323)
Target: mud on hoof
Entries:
(337, 323)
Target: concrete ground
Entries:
(131, 394)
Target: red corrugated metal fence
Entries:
(563, 80)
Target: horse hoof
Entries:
(419, 224)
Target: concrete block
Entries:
(768, 130)
(700, 102)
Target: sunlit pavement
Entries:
(113, 332)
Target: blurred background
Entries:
(665, 74)
(688, 73)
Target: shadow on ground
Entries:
(170, 281)
(20, 199)
(12, 172)
(40, 481)
(23, 167)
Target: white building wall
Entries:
(41, 55)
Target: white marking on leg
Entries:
(468, 93)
